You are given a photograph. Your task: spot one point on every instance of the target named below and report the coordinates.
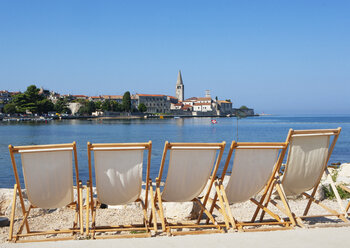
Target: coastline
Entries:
(122, 117)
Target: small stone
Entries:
(4, 221)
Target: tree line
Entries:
(35, 103)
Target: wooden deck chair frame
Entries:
(347, 190)
(224, 205)
(167, 226)
(76, 205)
(140, 230)
(342, 216)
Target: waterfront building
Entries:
(204, 100)
(176, 106)
(95, 98)
(202, 107)
(225, 107)
(45, 93)
(155, 103)
(117, 98)
(80, 97)
(180, 88)
(190, 101)
(5, 96)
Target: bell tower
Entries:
(179, 88)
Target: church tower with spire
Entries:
(180, 90)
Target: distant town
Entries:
(40, 103)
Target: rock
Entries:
(343, 176)
(18, 207)
(181, 210)
(319, 193)
(4, 221)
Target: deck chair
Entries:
(118, 174)
(48, 179)
(308, 155)
(254, 169)
(190, 167)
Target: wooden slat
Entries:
(101, 145)
(39, 147)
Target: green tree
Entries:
(98, 105)
(243, 107)
(45, 106)
(115, 106)
(31, 101)
(10, 108)
(126, 102)
(61, 106)
(32, 94)
(142, 107)
(91, 107)
(19, 101)
(87, 107)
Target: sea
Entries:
(250, 129)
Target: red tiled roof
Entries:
(173, 97)
(191, 99)
(196, 104)
(204, 99)
(112, 97)
(150, 95)
(79, 96)
(186, 107)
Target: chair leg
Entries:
(160, 204)
(81, 221)
(93, 221)
(232, 219)
(13, 210)
(285, 202)
(348, 190)
(144, 211)
(335, 190)
(221, 202)
(87, 214)
(207, 213)
(210, 210)
(153, 212)
(268, 193)
(24, 220)
(265, 205)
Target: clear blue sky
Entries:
(275, 56)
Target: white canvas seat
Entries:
(118, 174)
(253, 170)
(308, 155)
(48, 179)
(190, 167)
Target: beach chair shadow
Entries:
(190, 167)
(118, 173)
(308, 155)
(48, 177)
(254, 168)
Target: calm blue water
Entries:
(254, 129)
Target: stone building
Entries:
(180, 88)
(225, 107)
(155, 103)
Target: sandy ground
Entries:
(318, 237)
(63, 218)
